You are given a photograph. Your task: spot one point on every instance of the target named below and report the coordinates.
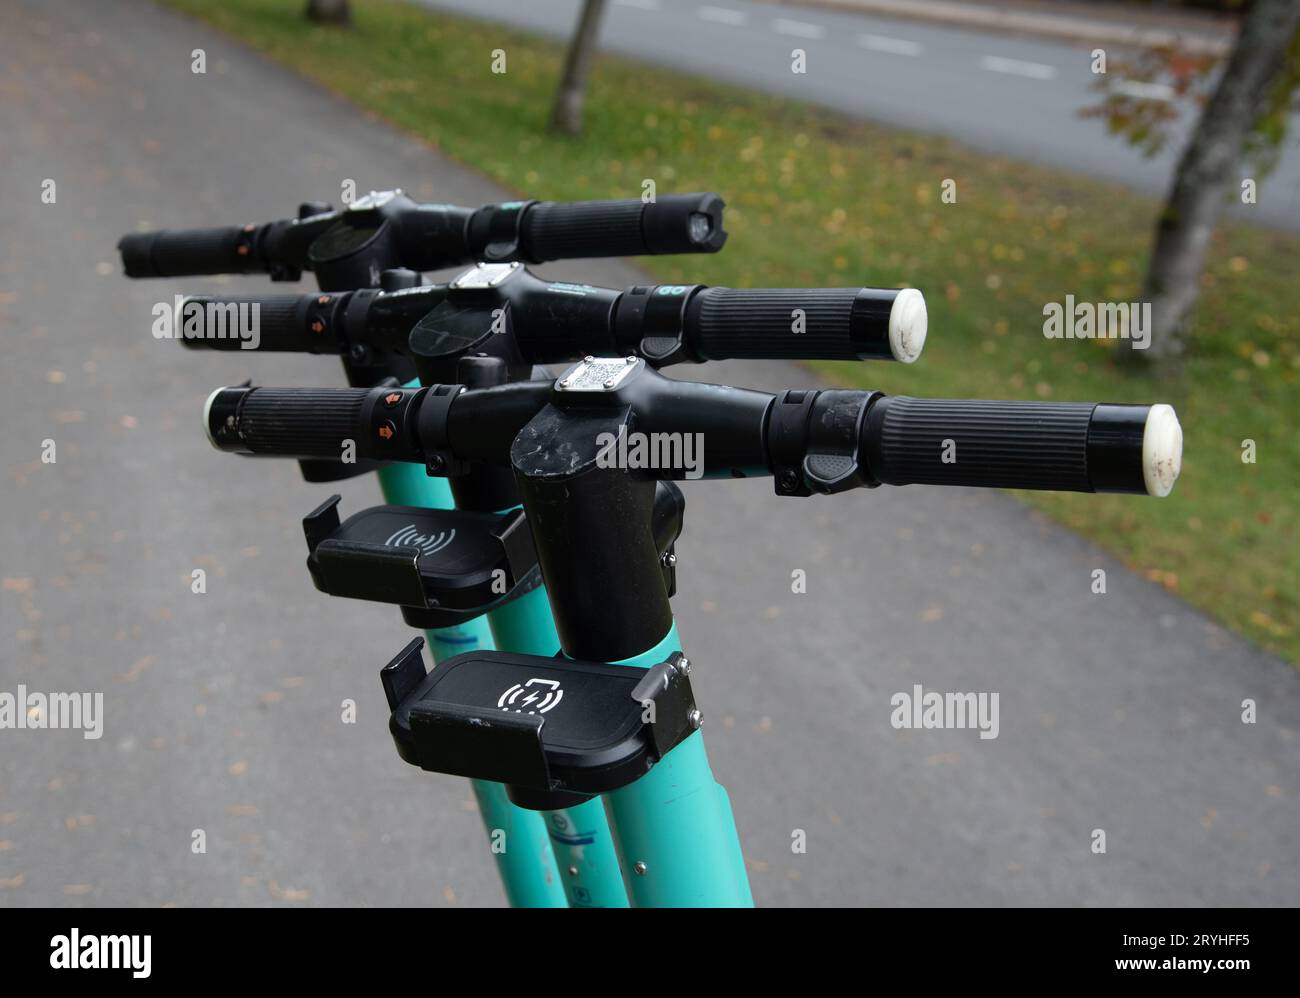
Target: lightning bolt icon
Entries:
(529, 699)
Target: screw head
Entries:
(684, 666)
(631, 360)
(435, 462)
(588, 359)
(573, 871)
(609, 384)
(696, 718)
(640, 868)
(669, 559)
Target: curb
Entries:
(1062, 26)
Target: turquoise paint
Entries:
(677, 820)
(519, 839)
(584, 850)
(552, 844)
(525, 625)
(527, 864)
(580, 836)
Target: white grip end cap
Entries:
(207, 411)
(908, 321)
(1162, 450)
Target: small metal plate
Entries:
(485, 275)
(597, 374)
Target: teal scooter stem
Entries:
(566, 854)
(518, 838)
(674, 829)
(580, 834)
(674, 833)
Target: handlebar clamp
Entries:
(440, 460)
(814, 439)
(499, 230)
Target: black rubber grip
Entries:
(1014, 445)
(674, 223)
(790, 323)
(289, 422)
(190, 252)
(263, 322)
(556, 231)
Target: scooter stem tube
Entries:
(527, 865)
(580, 835)
(673, 828)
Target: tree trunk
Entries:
(329, 12)
(566, 115)
(1206, 170)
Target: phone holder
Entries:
(441, 566)
(554, 730)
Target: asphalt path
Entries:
(1119, 712)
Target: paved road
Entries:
(1118, 712)
(1011, 96)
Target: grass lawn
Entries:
(816, 199)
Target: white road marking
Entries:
(799, 29)
(720, 15)
(1015, 67)
(1145, 91)
(895, 46)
